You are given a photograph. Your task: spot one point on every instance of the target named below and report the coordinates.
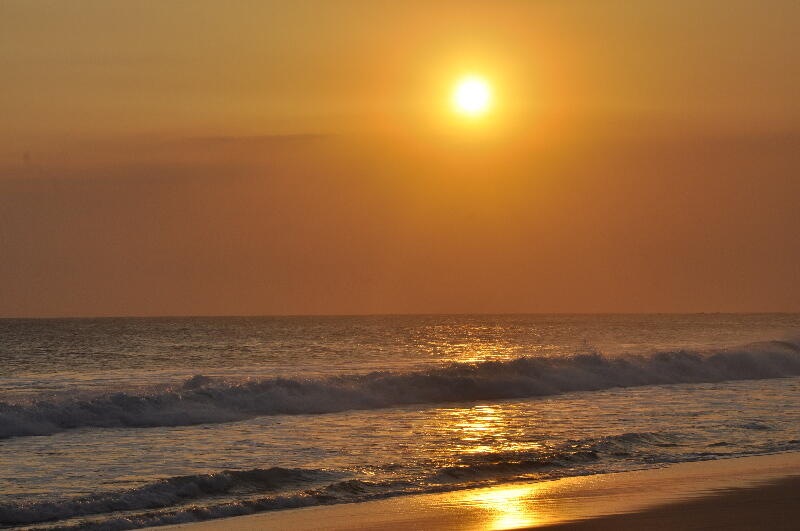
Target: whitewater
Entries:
(127, 423)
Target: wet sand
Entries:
(773, 506)
(732, 494)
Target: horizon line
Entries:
(409, 314)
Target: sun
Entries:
(472, 96)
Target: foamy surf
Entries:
(200, 497)
(202, 400)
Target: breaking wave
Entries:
(196, 498)
(193, 498)
(159, 494)
(187, 514)
(206, 400)
(237, 492)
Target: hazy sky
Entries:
(302, 157)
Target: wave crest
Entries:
(159, 494)
(204, 400)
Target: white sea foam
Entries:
(227, 493)
(159, 494)
(204, 400)
(198, 497)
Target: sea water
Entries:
(126, 423)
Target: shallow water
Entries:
(122, 423)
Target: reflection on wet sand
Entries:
(508, 508)
(525, 505)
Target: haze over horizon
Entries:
(278, 158)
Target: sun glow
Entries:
(472, 96)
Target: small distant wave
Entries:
(624, 443)
(206, 400)
(572, 453)
(508, 465)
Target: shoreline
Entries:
(729, 492)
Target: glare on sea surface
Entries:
(472, 96)
(482, 428)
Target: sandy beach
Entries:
(744, 493)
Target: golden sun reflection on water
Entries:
(483, 429)
(472, 343)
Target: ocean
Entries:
(122, 423)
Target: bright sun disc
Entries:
(472, 96)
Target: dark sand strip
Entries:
(774, 507)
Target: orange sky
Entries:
(301, 157)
